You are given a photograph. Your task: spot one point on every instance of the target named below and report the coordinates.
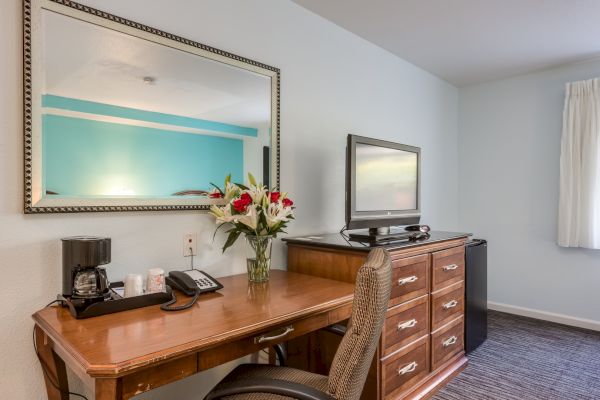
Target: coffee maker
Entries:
(84, 280)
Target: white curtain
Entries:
(579, 202)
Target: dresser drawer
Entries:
(403, 369)
(447, 304)
(448, 267)
(446, 342)
(405, 323)
(410, 278)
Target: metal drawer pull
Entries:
(450, 267)
(409, 368)
(450, 304)
(265, 338)
(407, 324)
(404, 281)
(450, 341)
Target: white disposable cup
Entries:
(155, 281)
(134, 285)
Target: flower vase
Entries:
(258, 257)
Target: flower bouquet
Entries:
(258, 213)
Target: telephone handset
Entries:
(192, 282)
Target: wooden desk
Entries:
(131, 352)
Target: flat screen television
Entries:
(382, 184)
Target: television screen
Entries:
(382, 183)
(386, 178)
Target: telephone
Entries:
(192, 282)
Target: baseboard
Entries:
(546, 316)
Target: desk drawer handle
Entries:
(409, 368)
(450, 304)
(265, 338)
(404, 281)
(450, 267)
(407, 324)
(450, 341)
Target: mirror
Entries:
(123, 117)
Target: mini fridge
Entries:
(475, 294)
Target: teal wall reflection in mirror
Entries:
(97, 156)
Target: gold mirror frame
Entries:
(33, 199)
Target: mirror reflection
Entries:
(123, 116)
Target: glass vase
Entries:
(258, 257)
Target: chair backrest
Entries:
(354, 355)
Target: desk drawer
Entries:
(403, 369)
(448, 267)
(233, 350)
(405, 323)
(447, 304)
(446, 342)
(410, 278)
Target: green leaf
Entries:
(218, 188)
(217, 230)
(241, 186)
(262, 219)
(233, 236)
(251, 179)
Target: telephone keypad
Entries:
(204, 283)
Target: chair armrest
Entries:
(266, 385)
(281, 354)
(338, 329)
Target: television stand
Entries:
(381, 236)
(421, 289)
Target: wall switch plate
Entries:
(190, 247)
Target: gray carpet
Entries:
(529, 359)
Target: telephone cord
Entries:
(167, 306)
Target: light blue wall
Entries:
(510, 133)
(88, 158)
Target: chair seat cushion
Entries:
(250, 371)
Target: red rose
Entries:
(287, 202)
(246, 197)
(274, 197)
(215, 195)
(240, 204)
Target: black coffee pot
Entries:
(84, 280)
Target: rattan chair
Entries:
(351, 362)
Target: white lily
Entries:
(231, 191)
(276, 213)
(221, 214)
(250, 219)
(257, 193)
(288, 212)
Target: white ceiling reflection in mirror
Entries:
(108, 66)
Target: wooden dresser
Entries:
(422, 342)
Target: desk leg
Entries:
(55, 372)
(109, 389)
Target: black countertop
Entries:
(341, 241)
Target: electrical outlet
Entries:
(190, 247)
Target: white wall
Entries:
(509, 150)
(333, 83)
